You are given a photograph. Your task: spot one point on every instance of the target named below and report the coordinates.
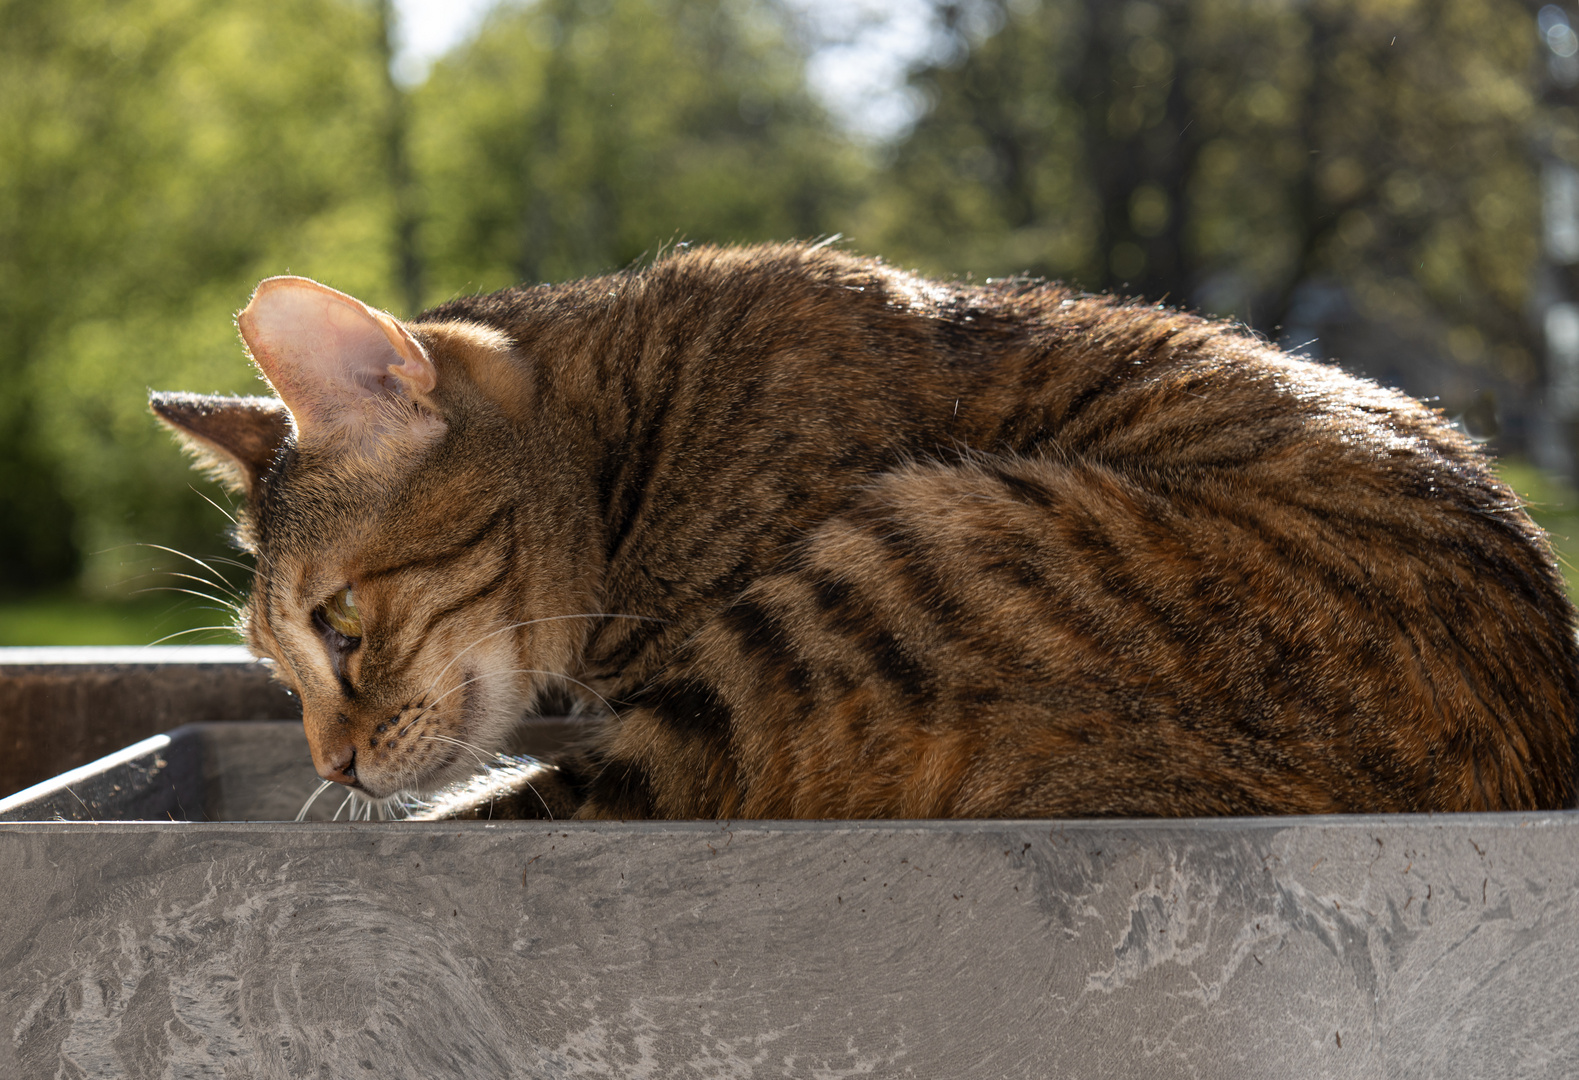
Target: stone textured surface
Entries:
(1344, 947)
(1339, 947)
(63, 707)
(260, 770)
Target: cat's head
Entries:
(404, 587)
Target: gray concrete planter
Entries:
(1365, 947)
(64, 707)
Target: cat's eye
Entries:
(339, 613)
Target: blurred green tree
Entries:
(1258, 160)
(572, 136)
(1253, 158)
(156, 158)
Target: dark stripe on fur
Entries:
(445, 559)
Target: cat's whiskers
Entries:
(513, 671)
(228, 515)
(361, 806)
(259, 569)
(221, 603)
(422, 710)
(193, 630)
(533, 789)
(249, 568)
(466, 793)
(199, 562)
(221, 585)
(433, 683)
(427, 708)
(301, 815)
(471, 748)
(232, 602)
(216, 581)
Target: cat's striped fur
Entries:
(825, 539)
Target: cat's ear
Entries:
(341, 367)
(235, 438)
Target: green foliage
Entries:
(158, 157)
(574, 136)
(1223, 152)
(993, 179)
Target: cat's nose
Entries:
(339, 765)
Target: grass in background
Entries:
(141, 594)
(1554, 504)
(73, 619)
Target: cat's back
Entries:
(1141, 562)
(1014, 362)
(1081, 519)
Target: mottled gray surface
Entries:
(1443, 946)
(259, 770)
(1430, 946)
(62, 707)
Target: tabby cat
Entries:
(817, 538)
